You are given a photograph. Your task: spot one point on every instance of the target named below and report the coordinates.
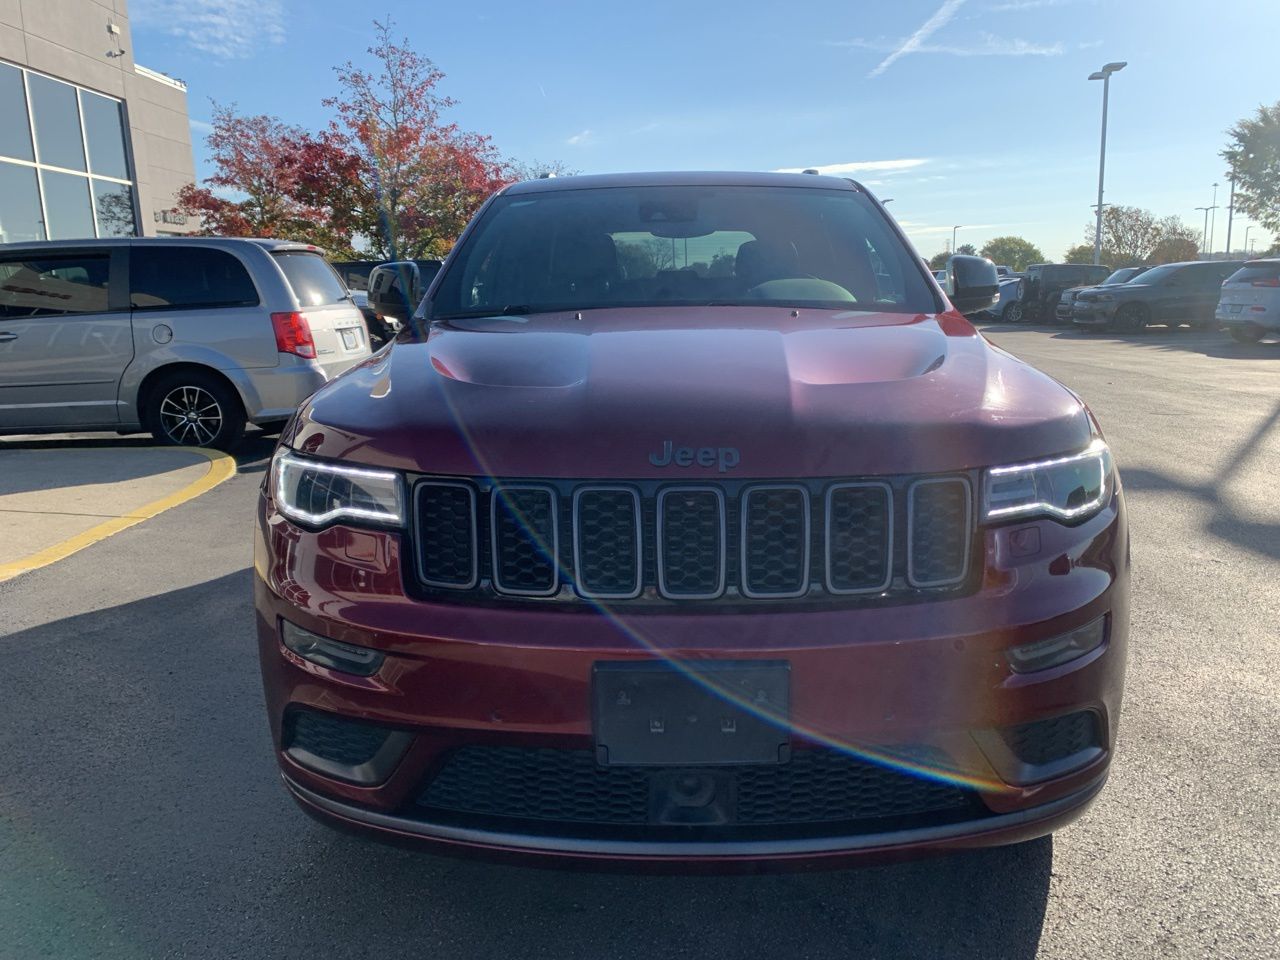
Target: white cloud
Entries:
(580, 138)
(990, 46)
(200, 126)
(941, 17)
(225, 29)
(857, 166)
(914, 228)
(1089, 45)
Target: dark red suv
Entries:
(689, 521)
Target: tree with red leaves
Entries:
(388, 178)
(265, 183)
(422, 179)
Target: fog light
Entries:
(1058, 650)
(334, 654)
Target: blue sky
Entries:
(971, 112)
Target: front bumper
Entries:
(886, 686)
(1093, 314)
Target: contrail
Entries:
(913, 42)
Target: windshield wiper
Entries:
(510, 310)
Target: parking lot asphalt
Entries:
(141, 815)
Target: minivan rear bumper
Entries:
(274, 393)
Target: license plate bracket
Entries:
(350, 337)
(692, 713)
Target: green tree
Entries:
(1129, 235)
(967, 250)
(1083, 253)
(939, 260)
(1253, 154)
(1013, 252)
(1177, 242)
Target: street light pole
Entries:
(953, 237)
(1246, 237)
(1213, 219)
(1231, 211)
(1105, 76)
(1204, 234)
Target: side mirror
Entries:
(395, 289)
(972, 283)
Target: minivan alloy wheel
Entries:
(190, 416)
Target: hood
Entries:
(618, 393)
(1123, 288)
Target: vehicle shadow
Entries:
(141, 814)
(1226, 521)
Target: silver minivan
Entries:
(188, 338)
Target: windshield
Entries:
(1123, 275)
(1160, 274)
(682, 245)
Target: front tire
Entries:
(193, 409)
(1250, 334)
(1133, 318)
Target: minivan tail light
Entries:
(1268, 282)
(293, 334)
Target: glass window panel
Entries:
(314, 282)
(33, 286)
(20, 218)
(104, 133)
(15, 131)
(57, 119)
(66, 204)
(114, 204)
(165, 277)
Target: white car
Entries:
(1249, 305)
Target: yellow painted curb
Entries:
(221, 467)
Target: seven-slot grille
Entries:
(697, 541)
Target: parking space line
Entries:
(221, 467)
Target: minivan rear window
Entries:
(187, 278)
(314, 282)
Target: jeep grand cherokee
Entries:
(691, 521)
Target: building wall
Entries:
(69, 40)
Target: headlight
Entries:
(318, 492)
(1068, 488)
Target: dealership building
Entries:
(91, 143)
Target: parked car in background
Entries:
(355, 273)
(1046, 281)
(187, 338)
(1067, 299)
(1249, 304)
(1008, 305)
(1172, 293)
(1003, 271)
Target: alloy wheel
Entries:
(190, 416)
